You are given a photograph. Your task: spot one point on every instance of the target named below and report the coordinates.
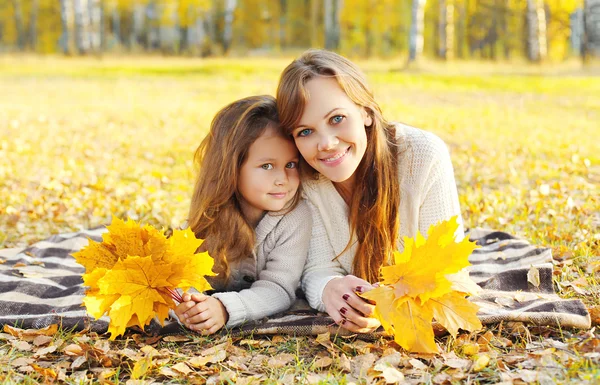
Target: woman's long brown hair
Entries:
(215, 212)
(373, 213)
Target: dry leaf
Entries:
(533, 276)
(322, 362)
(281, 360)
(176, 338)
(141, 367)
(480, 362)
(182, 368)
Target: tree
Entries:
(18, 14)
(415, 39)
(332, 10)
(537, 47)
(591, 28)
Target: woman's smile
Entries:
(336, 158)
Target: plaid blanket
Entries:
(41, 285)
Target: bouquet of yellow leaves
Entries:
(427, 281)
(134, 272)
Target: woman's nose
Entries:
(327, 142)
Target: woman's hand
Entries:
(346, 308)
(202, 313)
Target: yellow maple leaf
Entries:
(134, 289)
(427, 281)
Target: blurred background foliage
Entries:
(537, 30)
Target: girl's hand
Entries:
(346, 308)
(207, 314)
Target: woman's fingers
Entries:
(359, 304)
(367, 326)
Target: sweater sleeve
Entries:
(275, 288)
(439, 196)
(321, 265)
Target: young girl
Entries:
(370, 182)
(246, 206)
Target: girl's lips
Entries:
(335, 159)
(278, 195)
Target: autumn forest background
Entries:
(103, 102)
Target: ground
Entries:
(84, 139)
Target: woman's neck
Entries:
(345, 189)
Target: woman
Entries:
(368, 182)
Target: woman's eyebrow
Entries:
(326, 115)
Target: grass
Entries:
(84, 139)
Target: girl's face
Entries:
(269, 177)
(331, 135)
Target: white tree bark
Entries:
(228, 24)
(415, 39)
(82, 40)
(66, 19)
(537, 47)
(591, 14)
(446, 29)
(332, 13)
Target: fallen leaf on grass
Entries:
(42, 340)
(48, 373)
(30, 334)
(201, 361)
(176, 338)
(322, 362)
(480, 362)
(141, 367)
(182, 368)
(281, 360)
(595, 314)
(21, 345)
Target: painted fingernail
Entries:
(359, 289)
(343, 310)
(346, 296)
(343, 321)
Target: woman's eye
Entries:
(292, 165)
(336, 119)
(267, 166)
(304, 132)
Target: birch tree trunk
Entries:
(537, 48)
(94, 25)
(35, 7)
(446, 29)
(228, 24)
(18, 14)
(137, 29)
(314, 13)
(591, 29)
(282, 24)
(82, 40)
(415, 37)
(66, 19)
(332, 14)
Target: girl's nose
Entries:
(281, 179)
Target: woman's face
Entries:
(331, 134)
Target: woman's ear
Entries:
(368, 120)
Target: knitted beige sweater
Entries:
(427, 195)
(266, 282)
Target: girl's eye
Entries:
(291, 165)
(267, 166)
(337, 119)
(304, 132)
